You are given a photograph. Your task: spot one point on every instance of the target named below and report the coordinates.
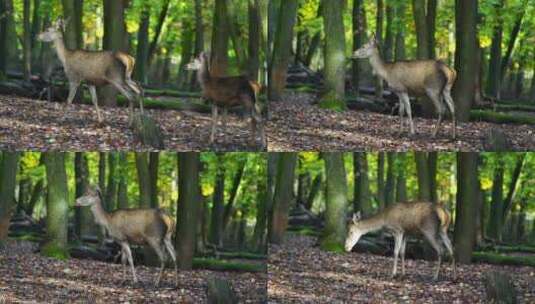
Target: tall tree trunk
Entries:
(379, 85)
(361, 200)
(37, 193)
(494, 77)
(154, 164)
(4, 11)
(511, 43)
(358, 42)
(466, 208)
(216, 224)
(158, 30)
(431, 26)
(422, 35)
(464, 90)
(57, 207)
(102, 171)
(255, 24)
(423, 172)
(83, 217)
(281, 49)
(508, 201)
(187, 207)
(27, 42)
(389, 33)
(432, 160)
(233, 192)
(260, 229)
(496, 208)
(142, 166)
(9, 164)
(142, 51)
(390, 179)
(401, 182)
(400, 34)
(220, 39)
(114, 38)
(314, 190)
(36, 27)
(335, 203)
(110, 198)
(283, 196)
(122, 188)
(72, 12)
(381, 180)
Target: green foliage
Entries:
(330, 102)
(501, 118)
(223, 265)
(328, 244)
(52, 250)
(499, 259)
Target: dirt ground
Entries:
(299, 272)
(26, 277)
(298, 125)
(27, 124)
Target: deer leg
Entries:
(430, 235)
(126, 92)
(439, 106)
(171, 251)
(214, 123)
(398, 239)
(407, 101)
(224, 118)
(94, 99)
(449, 247)
(126, 248)
(403, 245)
(401, 112)
(73, 87)
(157, 247)
(257, 115)
(451, 106)
(124, 260)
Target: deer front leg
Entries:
(398, 238)
(451, 106)
(407, 104)
(214, 123)
(403, 245)
(401, 113)
(94, 99)
(73, 87)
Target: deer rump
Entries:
(412, 74)
(152, 221)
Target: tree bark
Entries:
(27, 42)
(187, 207)
(233, 192)
(494, 77)
(401, 182)
(283, 196)
(142, 52)
(358, 42)
(361, 200)
(158, 30)
(220, 39)
(422, 169)
(83, 217)
(495, 222)
(9, 164)
(216, 225)
(381, 180)
(390, 179)
(122, 188)
(142, 166)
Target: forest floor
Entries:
(39, 125)
(299, 272)
(28, 277)
(298, 125)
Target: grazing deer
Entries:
(419, 77)
(425, 218)
(225, 92)
(96, 68)
(143, 226)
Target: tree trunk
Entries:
(335, 203)
(57, 207)
(83, 216)
(158, 30)
(379, 86)
(400, 35)
(187, 206)
(423, 172)
(27, 42)
(220, 39)
(381, 180)
(4, 11)
(154, 164)
(142, 52)
(358, 42)
(422, 35)
(281, 49)
(431, 26)
(401, 182)
(142, 166)
(216, 225)
(314, 190)
(260, 229)
(389, 34)
(494, 77)
(37, 193)
(255, 24)
(102, 171)
(390, 179)
(511, 44)
(283, 196)
(466, 208)
(122, 188)
(507, 203)
(495, 223)
(464, 90)
(9, 164)
(110, 198)
(432, 160)
(72, 12)
(361, 200)
(233, 192)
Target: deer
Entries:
(229, 91)
(96, 68)
(427, 219)
(418, 77)
(141, 226)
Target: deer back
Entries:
(95, 67)
(416, 76)
(137, 225)
(411, 216)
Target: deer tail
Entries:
(443, 216)
(169, 224)
(450, 74)
(257, 87)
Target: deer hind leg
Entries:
(449, 247)
(158, 247)
(431, 236)
(406, 100)
(398, 239)
(451, 106)
(138, 91)
(214, 123)
(73, 87)
(94, 99)
(401, 113)
(126, 249)
(171, 250)
(126, 91)
(403, 245)
(439, 106)
(224, 118)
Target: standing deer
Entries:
(225, 92)
(419, 77)
(96, 68)
(143, 226)
(425, 218)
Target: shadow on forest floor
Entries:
(299, 272)
(29, 277)
(27, 124)
(297, 125)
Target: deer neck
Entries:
(101, 216)
(372, 224)
(378, 65)
(61, 50)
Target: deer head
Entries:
(53, 32)
(91, 197)
(366, 50)
(355, 232)
(198, 62)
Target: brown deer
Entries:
(143, 226)
(96, 68)
(419, 77)
(423, 218)
(225, 92)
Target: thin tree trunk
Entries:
(9, 164)
(401, 183)
(122, 188)
(158, 30)
(381, 180)
(233, 192)
(283, 196)
(358, 41)
(110, 198)
(423, 172)
(390, 179)
(142, 52)
(218, 207)
(220, 39)
(83, 217)
(142, 166)
(27, 42)
(361, 200)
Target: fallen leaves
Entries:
(298, 125)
